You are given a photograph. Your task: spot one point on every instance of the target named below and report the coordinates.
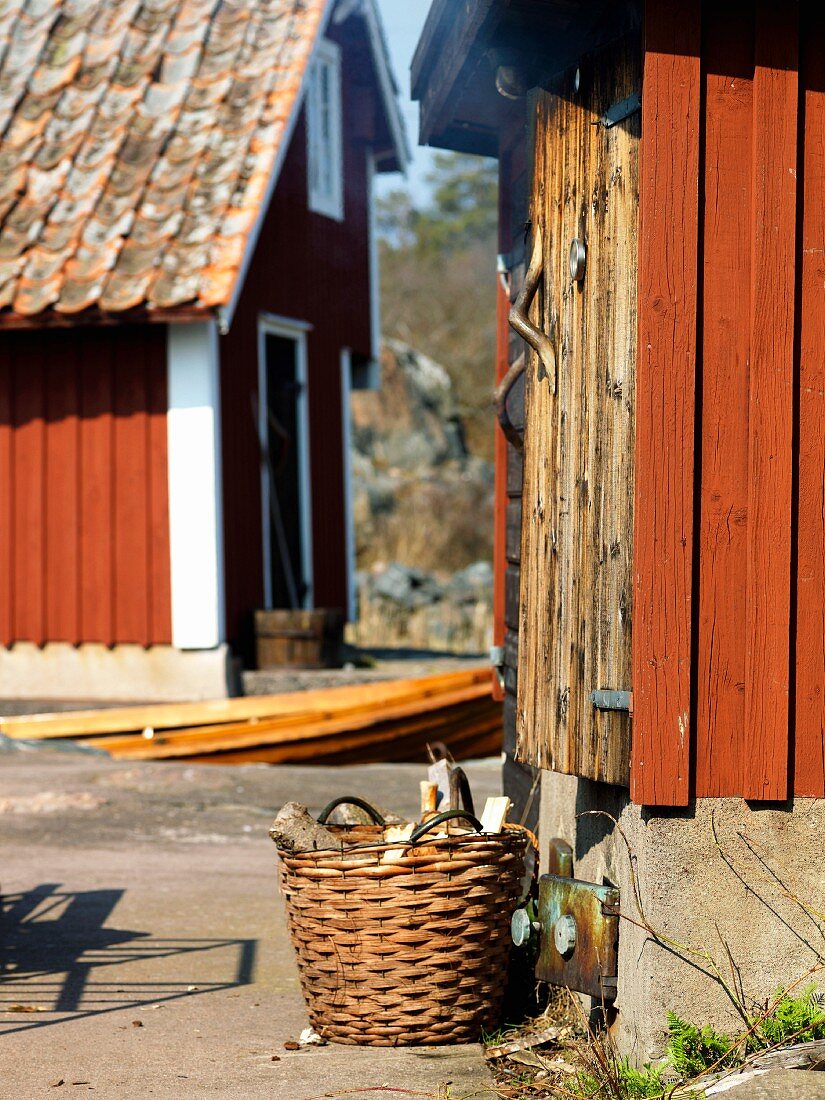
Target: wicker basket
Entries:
(410, 949)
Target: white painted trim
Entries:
(319, 154)
(291, 330)
(195, 486)
(349, 517)
(373, 260)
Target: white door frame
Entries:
(270, 324)
(349, 518)
(193, 426)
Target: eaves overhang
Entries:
(464, 42)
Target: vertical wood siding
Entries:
(726, 179)
(663, 507)
(729, 630)
(84, 538)
(770, 425)
(809, 759)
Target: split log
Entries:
(294, 830)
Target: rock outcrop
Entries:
(423, 513)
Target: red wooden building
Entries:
(187, 295)
(662, 559)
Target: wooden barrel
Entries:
(299, 639)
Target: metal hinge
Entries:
(605, 699)
(618, 112)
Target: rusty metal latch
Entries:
(520, 321)
(579, 936)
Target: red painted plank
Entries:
(725, 336)
(500, 488)
(29, 472)
(131, 491)
(809, 778)
(160, 602)
(62, 488)
(6, 498)
(770, 460)
(96, 457)
(663, 505)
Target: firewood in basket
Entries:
(294, 830)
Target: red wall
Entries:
(309, 268)
(729, 539)
(84, 529)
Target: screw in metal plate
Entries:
(564, 935)
(578, 259)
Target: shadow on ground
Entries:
(62, 962)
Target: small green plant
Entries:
(790, 1019)
(624, 1082)
(692, 1050)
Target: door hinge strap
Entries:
(618, 112)
(604, 699)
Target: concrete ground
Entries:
(143, 946)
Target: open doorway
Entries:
(283, 425)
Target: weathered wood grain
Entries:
(770, 422)
(665, 402)
(578, 462)
(809, 776)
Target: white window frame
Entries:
(297, 331)
(328, 152)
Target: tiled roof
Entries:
(137, 138)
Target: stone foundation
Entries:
(747, 901)
(126, 673)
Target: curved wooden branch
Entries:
(519, 315)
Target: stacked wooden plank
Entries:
(361, 723)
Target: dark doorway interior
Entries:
(289, 583)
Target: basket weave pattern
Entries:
(409, 951)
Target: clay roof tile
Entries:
(136, 141)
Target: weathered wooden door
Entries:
(576, 556)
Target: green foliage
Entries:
(790, 1018)
(623, 1082)
(793, 1019)
(692, 1050)
(462, 211)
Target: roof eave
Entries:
(389, 93)
(454, 66)
(94, 317)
